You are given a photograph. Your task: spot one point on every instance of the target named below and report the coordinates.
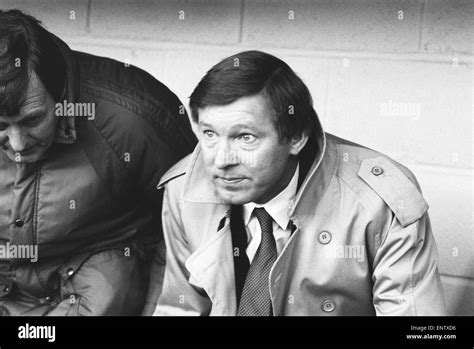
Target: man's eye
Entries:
(3, 126)
(209, 134)
(247, 138)
(32, 121)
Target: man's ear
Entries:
(298, 142)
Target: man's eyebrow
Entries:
(234, 127)
(19, 118)
(204, 124)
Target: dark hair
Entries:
(253, 72)
(25, 47)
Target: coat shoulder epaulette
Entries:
(178, 170)
(392, 182)
(398, 189)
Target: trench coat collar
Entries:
(198, 186)
(315, 183)
(212, 267)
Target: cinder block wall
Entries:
(395, 76)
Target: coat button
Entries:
(69, 271)
(19, 223)
(328, 306)
(6, 289)
(377, 170)
(324, 237)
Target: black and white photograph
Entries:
(242, 159)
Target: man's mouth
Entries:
(21, 154)
(25, 152)
(230, 180)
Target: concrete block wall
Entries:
(396, 76)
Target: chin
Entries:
(234, 198)
(32, 159)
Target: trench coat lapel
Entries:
(212, 266)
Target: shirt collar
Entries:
(277, 207)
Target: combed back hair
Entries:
(251, 73)
(26, 47)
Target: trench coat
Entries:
(362, 243)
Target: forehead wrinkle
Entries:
(248, 123)
(33, 98)
(36, 95)
(236, 113)
(218, 116)
(248, 112)
(19, 118)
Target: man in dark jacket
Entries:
(84, 141)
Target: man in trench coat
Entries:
(270, 215)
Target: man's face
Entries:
(26, 137)
(243, 153)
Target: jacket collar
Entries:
(315, 183)
(66, 127)
(212, 268)
(319, 166)
(198, 186)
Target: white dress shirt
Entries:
(278, 209)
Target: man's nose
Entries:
(17, 139)
(225, 155)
